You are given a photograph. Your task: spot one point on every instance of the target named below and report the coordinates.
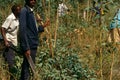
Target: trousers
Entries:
(25, 72)
(9, 56)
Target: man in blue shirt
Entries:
(114, 34)
(28, 32)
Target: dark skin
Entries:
(3, 30)
(40, 21)
(32, 3)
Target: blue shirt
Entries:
(28, 30)
(115, 23)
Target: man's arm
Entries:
(23, 31)
(41, 27)
(4, 29)
(3, 32)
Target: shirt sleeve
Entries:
(23, 30)
(7, 23)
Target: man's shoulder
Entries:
(11, 16)
(24, 9)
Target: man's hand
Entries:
(27, 53)
(47, 23)
(7, 44)
(3, 32)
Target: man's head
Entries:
(30, 3)
(16, 10)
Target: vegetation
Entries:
(73, 47)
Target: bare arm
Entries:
(3, 32)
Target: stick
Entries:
(32, 65)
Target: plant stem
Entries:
(56, 28)
(49, 32)
(101, 56)
(111, 73)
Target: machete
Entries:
(32, 65)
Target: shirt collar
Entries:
(31, 9)
(13, 16)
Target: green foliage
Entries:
(78, 44)
(63, 67)
(5, 3)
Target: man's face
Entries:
(17, 11)
(32, 3)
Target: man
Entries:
(62, 8)
(114, 33)
(28, 36)
(9, 32)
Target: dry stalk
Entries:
(112, 64)
(56, 28)
(101, 58)
(49, 32)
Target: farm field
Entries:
(74, 46)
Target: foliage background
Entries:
(72, 47)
